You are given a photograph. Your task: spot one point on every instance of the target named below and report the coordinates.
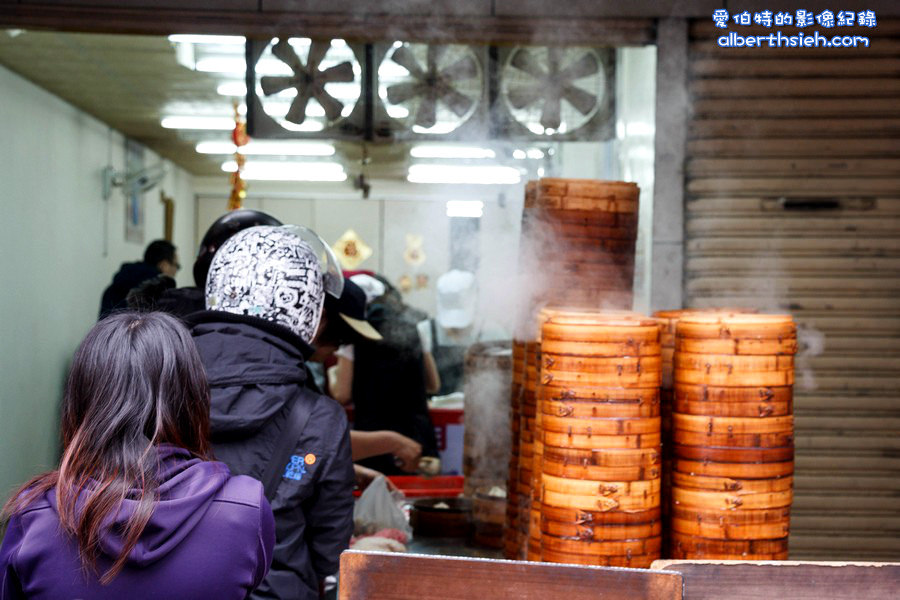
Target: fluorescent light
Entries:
(220, 40)
(463, 174)
(288, 171)
(232, 88)
(215, 123)
(271, 148)
(238, 66)
(535, 154)
(540, 172)
(447, 151)
(519, 154)
(465, 208)
(440, 127)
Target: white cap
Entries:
(456, 298)
(371, 286)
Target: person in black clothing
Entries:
(159, 257)
(265, 293)
(388, 387)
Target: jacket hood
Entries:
(187, 487)
(253, 367)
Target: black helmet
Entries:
(226, 226)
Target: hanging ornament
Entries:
(240, 138)
(414, 255)
(351, 250)
(421, 281)
(405, 283)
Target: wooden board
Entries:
(706, 580)
(382, 576)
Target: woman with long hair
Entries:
(137, 507)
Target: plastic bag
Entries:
(379, 508)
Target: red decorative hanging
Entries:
(238, 185)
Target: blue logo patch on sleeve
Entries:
(295, 469)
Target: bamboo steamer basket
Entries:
(733, 409)
(595, 517)
(784, 346)
(555, 186)
(606, 395)
(578, 471)
(734, 470)
(727, 454)
(733, 379)
(732, 500)
(732, 326)
(608, 489)
(553, 348)
(730, 531)
(588, 409)
(595, 442)
(597, 560)
(730, 484)
(746, 363)
(693, 544)
(608, 548)
(742, 440)
(718, 394)
(744, 517)
(607, 457)
(732, 425)
(601, 532)
(584, 218)
(599, 426)
(600, 503)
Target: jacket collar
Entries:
(270, 327)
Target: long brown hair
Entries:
(136, 381)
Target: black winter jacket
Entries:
(255, 369)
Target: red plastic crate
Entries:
(441, 486)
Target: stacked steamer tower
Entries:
(602, 471)
(577, 252)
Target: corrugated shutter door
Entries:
(793, 203)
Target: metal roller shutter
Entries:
(793, 204)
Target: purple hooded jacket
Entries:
(210, 536)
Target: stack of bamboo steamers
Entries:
(732, 434)
(577, 250)
(585, 482)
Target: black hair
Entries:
(158, 251)
(218, 233)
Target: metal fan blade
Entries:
(464, 68)
(583, 101)
(554, 57)
(272, 84)
(297, 112)
(585, 65)
(342, 73)
(433, 57)
(525, 61)
(317, 51)
(459, 103)
(401, 92)
(524, 95)
(404, 57)
(284, 52)
(551, 115)
(426, 116)
(332, 106)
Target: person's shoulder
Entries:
(241, 490)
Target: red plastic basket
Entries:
(442, 486)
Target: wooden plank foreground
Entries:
(797, 580)
(377, 575)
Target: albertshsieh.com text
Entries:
(779, 40)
